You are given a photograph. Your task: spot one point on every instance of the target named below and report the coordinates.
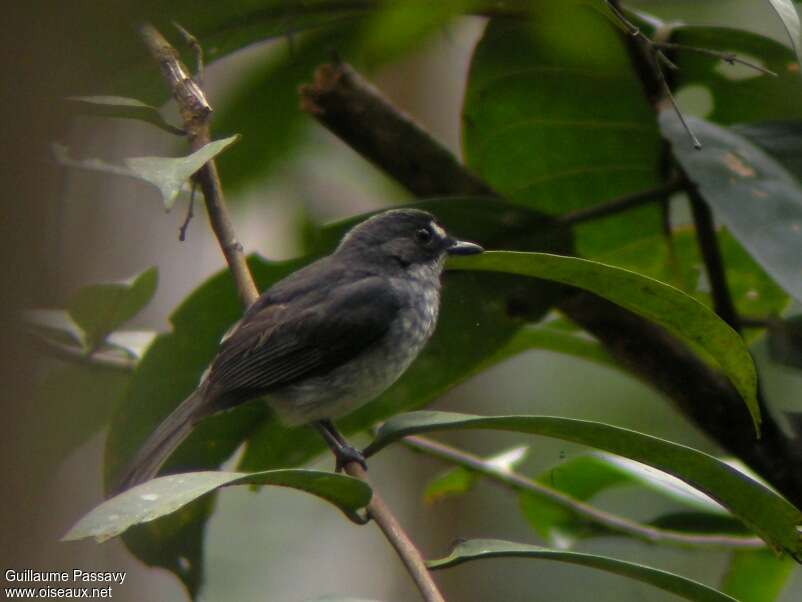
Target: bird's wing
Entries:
(282, 343)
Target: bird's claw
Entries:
(346, 454)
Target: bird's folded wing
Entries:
(282, 343)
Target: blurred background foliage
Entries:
(554, 115)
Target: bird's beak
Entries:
(461, 247)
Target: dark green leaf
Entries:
(752, 194)
(671, 308)
(493, 548)
(99, 309)
(168, 174)
(756, 576)
(164, 495)
(123, 108)
(770, 515)
(533, 101)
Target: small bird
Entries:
(326, 339)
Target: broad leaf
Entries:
(99, 309)
(785, 341)
(123, 108)
(671, 308)
(780, 139)
(756, 576)
(790, 19)
(168, 174)
(164, 495)
(770, 515)
(752, 194)
(533, 102)
(477, 549)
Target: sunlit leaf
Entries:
(164, 495)
(477, 549)
(790, 19)
(770, 515)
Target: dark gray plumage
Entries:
(326, 339)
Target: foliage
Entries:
(562, 115)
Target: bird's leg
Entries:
(343, 452)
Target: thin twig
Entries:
(728, 57)
(620, 204)
(711, 256)
(193, 43)
(195, 110)
(616, 523)
(182, 231)
(657, 58)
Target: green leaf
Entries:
(677, 312)
(752, 194)
(770, 515)
(164, 495)
(790, 19)
(99, 309)
(123, 108)
(168, 174)
(459, 480)
(477, 549)
(535, 98)
(474, 308)
(736, 99)
(756, 576)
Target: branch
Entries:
(618, 524)
(662, 361)
(195, 111)
(341, 100)
(711, 255)
(71, 353)
(624, 203)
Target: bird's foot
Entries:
(345, 454)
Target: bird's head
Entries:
(408, 237)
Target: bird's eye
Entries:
(423, 236)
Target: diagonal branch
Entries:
(195, 112)
(662, 361)
(618, 524)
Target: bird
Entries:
(324, 340)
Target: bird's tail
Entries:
(164, 441)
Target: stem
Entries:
(711, 255)
(74, 354)
(195, 111)
(620, 204)
(619, 524)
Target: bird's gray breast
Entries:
(369, 374)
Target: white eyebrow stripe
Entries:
(438, 231)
